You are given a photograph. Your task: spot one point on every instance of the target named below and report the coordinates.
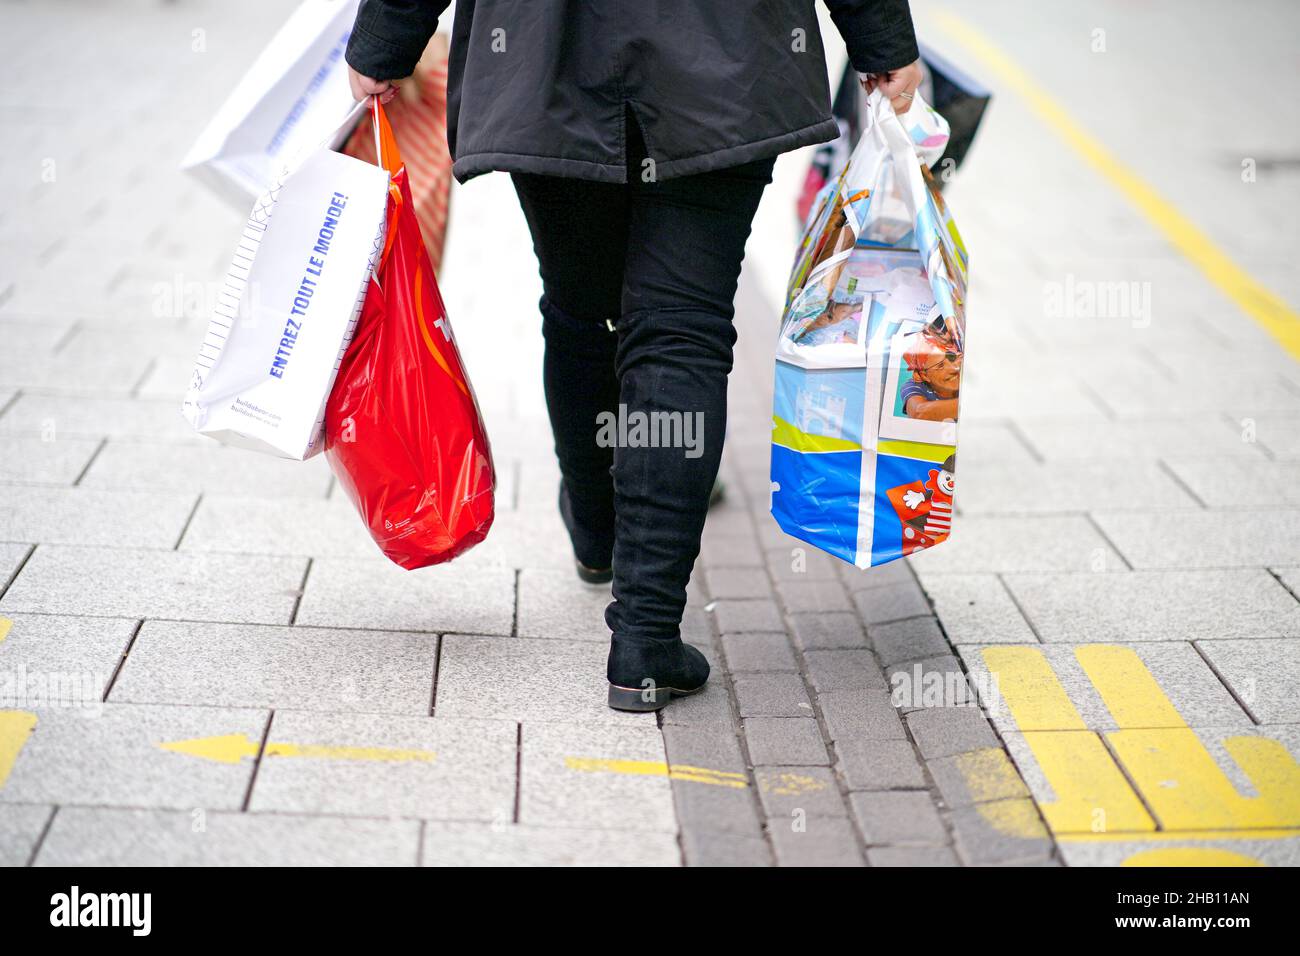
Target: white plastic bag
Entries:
(288, 307)
(294, 95)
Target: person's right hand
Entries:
(363, 86)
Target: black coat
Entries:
(541, 86)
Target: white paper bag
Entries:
(288, 307)
(294, 95)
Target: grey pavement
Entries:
(204, 660)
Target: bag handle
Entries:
(390, 159)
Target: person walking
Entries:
(639, 136)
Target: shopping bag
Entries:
(418, 114)
(403, 433)
(870, 353)
(295, 94)
(288, 306)
(958, 97)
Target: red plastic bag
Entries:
(403, 432)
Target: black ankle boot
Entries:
(647, 674)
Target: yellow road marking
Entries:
(5, 625)
(232, 748)
(15, 727)
(1031, 691)
(1190, 856)
(790, 784)
(1126, 687)
(1170, 767)
(1261, 304)
(658, 768)
(1013, 817)
(1091, 792)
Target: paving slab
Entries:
(737, 583)
(785, 741)
(531, 680)
(1049, 488)
(21, 826)
(1000, 832)
(383, 765)
(29, 460)
(794, 794)
(911, 856)
(375, 593)
(1177, 850)
(860, 715)
(818, 841)
(48, 660)
(1207, 434)
(556, 603)
(1156, 605)
(843, 669)
(724, 849)
(976, 609)
(759, 651)
(594, 776)
(1010, 544)
(908, 640)
(305, 668)
(476, 844)
(98, 836)
(87, 517)
(127, 755)
(712, 787)
(879, 765)
(898, 818)
(827, 631)
(1166, 684)
(1264, 675)
(976, 776)
(1239, 482)
(281, 526)
(123, 583)
(1204, 539)
(772, 695)
(59, 416)
(209, 468)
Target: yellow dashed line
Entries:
(657, 768)
(1262, 305)
(232, 748)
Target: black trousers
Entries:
(638, 284)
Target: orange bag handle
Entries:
(390, 158)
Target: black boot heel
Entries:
(656, 698)
(646, 675)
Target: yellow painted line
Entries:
(5, 625)
(989, 775)
(1187, 790)
(790, 784)
(1090, 790)
(15, 727)
(1190, 856)
(1126, 687)
(1015, 818)
(788, 436)
(232, 748)
(1030, 689)
(657, 768)
(380, 754)
(1163, 836)
(1261, 304)
(914, 449)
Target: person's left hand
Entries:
(898, 85)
